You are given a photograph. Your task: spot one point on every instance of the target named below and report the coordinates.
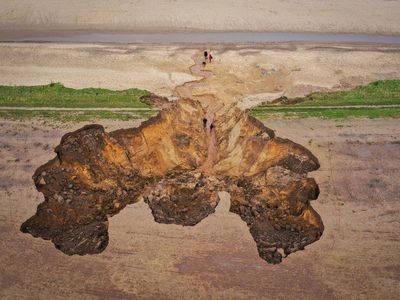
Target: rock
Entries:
(59, 198)
(192, 185)
(42, 181)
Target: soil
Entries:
(217, 258)
(354, 259)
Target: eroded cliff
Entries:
(166, 162)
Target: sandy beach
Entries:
(253, 73)
(357, 256)
(359, 16)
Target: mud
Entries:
(166, 161)
(178, 162)
(183, 198)
(276, 207)
(217, 258)
(157, 101)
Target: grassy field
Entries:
(57, 95)
(315, 105)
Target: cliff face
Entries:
(96, 174)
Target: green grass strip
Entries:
(385, 92)
(57, 95)
(325, 113)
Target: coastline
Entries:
(190, 37)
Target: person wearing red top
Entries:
(210, 57)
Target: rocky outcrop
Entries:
(275, 204)
(96, 174)
(157, 101)
(183, 197)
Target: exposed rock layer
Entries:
(96, 174)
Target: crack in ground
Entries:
(178, 164)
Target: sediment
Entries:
(96, 174)
(177, 164)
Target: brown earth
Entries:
(356, 257)
(96, 174)
(171, 161)
(357, 203)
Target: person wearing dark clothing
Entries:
(211, 126)
(205, 122)
(205, 54)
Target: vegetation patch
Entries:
(384, 92)
(57, 95)
(335, 105)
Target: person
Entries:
(205, 54)
(205, 122)
(212, 126)
(204, 64)
(210, 57)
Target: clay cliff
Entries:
(177, 162)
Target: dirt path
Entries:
(186, 90)
(208, 101)
(212, 105)
(76, 108)
(338, 106)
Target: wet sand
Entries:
(356, 257)
(87, 36)
(357, 16)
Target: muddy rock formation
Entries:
(183, 198)
(275, 205)
(157, 101)
(96, 174)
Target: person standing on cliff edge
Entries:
(205, 54)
